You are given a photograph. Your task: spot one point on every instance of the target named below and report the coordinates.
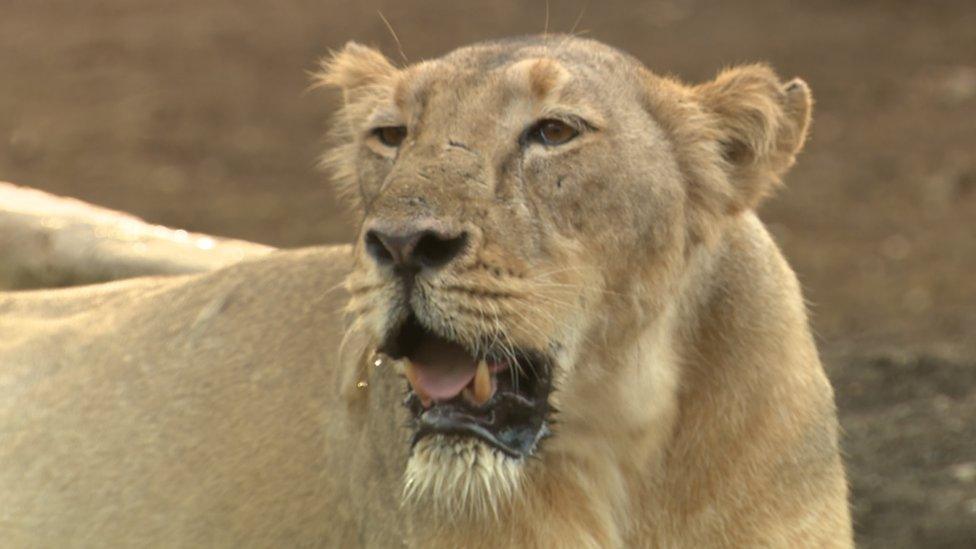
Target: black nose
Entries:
(414, 248)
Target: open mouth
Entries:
(499, 395)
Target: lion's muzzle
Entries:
(411, 247)
(497, 394)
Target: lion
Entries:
(561, 324)
(50, 241)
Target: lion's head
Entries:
(531, 210)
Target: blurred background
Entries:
(197, 115)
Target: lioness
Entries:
(562, 325)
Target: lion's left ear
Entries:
(353, 68)
(760, 124)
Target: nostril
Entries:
(410, 250)
(434, 249)
(377, 249)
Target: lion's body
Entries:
(185, 411)
(205, 411)
(243, 406)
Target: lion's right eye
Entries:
(551, 132)
(391, 136)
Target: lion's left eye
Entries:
(551, 132)
(391, 136)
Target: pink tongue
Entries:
(441, 369)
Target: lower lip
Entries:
(444, 426)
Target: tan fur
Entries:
(50, 241)
(245, 406)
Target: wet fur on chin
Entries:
(455, 478)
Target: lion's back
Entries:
(181, 410)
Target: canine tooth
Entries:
(410, 372)
(482, 383)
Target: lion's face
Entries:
(524, 210)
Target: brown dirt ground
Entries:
(194, 114)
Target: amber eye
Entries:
(552, 132)
(391, 136)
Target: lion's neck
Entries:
(610, 435)
(608, 441)
(617, 419)
(683, 433)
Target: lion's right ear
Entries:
(760, 124)
(353, 67)
(734, 137)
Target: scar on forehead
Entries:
(542, 75)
